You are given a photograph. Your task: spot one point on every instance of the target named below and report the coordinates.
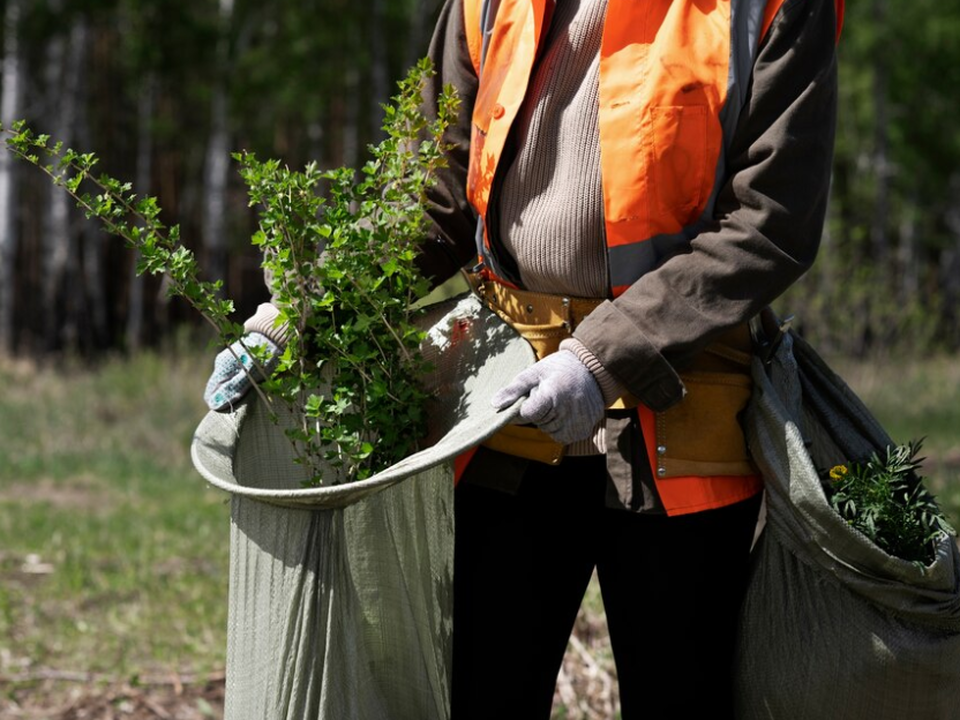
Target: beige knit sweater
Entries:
(550, 210)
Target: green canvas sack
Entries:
(832, 626)
(340, 598)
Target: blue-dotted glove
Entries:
(229, 381)
(563, 398)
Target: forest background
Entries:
(163, 92)
(106, 533)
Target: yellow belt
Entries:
(544, 321)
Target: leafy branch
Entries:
(884, 498)
(341, 269)
(133, 218)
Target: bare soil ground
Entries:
(61, 696)
(586, 689)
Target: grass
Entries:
(113, 552)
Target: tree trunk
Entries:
(379, 68)
(950, 268)
(144, 173)
(10, 102)
(417, 37)
(909, 259)
(217, 166)
(92, 266)
(879, 237)
(351, 119)
(60, 249)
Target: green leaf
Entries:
(344, 273)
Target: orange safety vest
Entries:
(673, 79)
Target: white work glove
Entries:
(563, 397)
(233, 367)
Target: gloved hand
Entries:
(230, 381)
(563, 397)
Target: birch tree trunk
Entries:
(217, 165)
(144, 172)
(92, 267)
(60, 246)
(79, 327)
(10, 101)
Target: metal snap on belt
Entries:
(567, 320)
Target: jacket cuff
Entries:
(625, 352)
(264, 321)
(609, 385)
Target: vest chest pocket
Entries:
(679, 160)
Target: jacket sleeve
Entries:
(767, 223)
(450, 243)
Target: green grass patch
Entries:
(113, 552)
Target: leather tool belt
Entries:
(544, 321)
(703, 430)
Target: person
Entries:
(630, 184)
(648, 177)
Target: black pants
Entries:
(671, 589)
